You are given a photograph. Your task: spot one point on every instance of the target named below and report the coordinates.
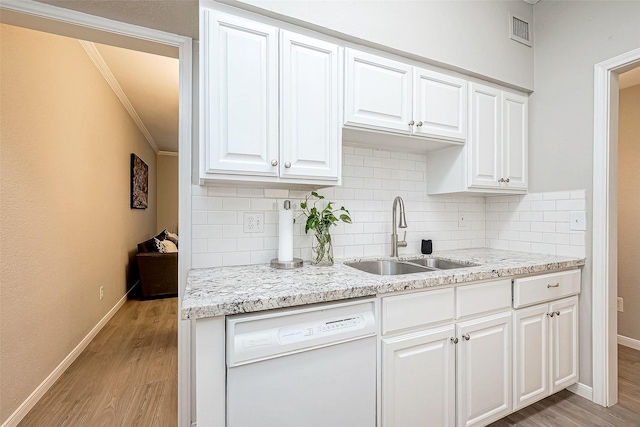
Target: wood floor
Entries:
(570, 410)
(127, 376)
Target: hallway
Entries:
(127, 376)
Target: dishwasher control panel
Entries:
(303, 332)
(257, 337)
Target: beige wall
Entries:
(629, 212)
(65, 223)
(167, 192)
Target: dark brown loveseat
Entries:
(158, 273)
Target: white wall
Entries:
(629, 212)
(465, 35)
(571, 37)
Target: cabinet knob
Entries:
(466, 337)
(274, 162)
(506, 180)
(557, 313)
(454, 340)
(287, 165)
(419, 124)
(501, 180)
(550, 314)
(411, 123)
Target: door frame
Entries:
(56, 20)
(605, 227)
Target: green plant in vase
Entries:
(320, 220)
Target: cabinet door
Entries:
(530, 355)
(240, 95)
(378, 92)
(514, 140)
(484, 369)
(484, 143)
(309, 115)
(564, 343)
(418, 379)
(439, 105)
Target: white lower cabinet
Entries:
(427, 373)
(545, 354)
(418, 379)
(484, 369)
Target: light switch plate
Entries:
(462, 220)
(578, 220)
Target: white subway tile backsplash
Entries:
(371, 180)
(250, 192)
(236, 204)
(546, 215)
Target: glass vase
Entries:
(322, 248)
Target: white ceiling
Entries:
(150, 85)
(630, 78)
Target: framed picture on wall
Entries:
(139, 183)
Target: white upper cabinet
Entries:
(378, 92)
(240, 95)
(514, 140)
(439, 105)
(270, 101)
(494, 159)
(310, 113)
(395, 97)
(485, 130)
(497, 144)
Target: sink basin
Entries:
(439, 263)
(388, 268)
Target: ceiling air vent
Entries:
(519, 30)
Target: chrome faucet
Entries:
(402, 224)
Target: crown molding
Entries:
(168, 153)
(97, 59)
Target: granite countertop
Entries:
(222, 291)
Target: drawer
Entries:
(482, 298)
(418, 309)
(546, 287)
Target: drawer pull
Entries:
(454, 340)
(557, 285)
(466, 337)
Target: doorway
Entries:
(59, 21)
(605, 225)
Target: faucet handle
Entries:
(403, 243)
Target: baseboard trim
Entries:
(582, 390)
(22, 411)
(629, 342)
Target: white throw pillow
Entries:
(172, 237)
(168, 247)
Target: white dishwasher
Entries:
(308, 367)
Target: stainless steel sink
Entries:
(439, 263)
(388, 267)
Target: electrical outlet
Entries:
(620, 304)
(101, 292)
(253, 222)
(462, 220)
